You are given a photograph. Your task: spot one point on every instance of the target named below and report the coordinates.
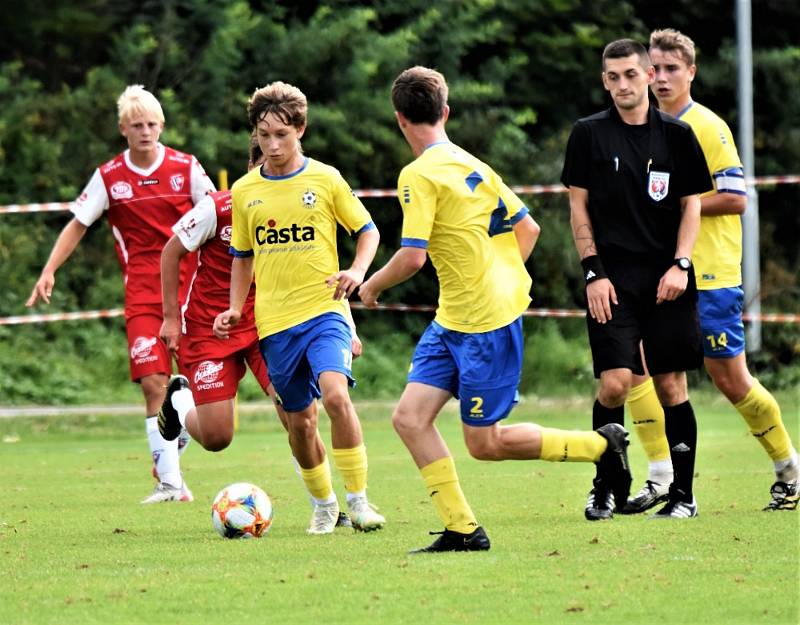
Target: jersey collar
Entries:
(685, 109)
(284, 176)
(149, 170)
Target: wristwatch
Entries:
(684, 263)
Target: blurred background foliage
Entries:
(520, 73)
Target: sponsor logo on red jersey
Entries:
(142, 350)
(207, 374)
(225, 234)
(121, 190)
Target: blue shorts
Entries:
(296, 357)
(483, 369)
(721, 321)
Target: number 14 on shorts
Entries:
(718, 342)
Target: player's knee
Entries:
(216, 441)
(154, 388)
(483, 444)
(613, 392)
(405, 422)
(302, 427)
(336, 403)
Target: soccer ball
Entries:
(241, 510)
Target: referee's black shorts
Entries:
(669, 332)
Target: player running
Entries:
(285, 216)
(203, 403)
(142, 191)
(479, 235)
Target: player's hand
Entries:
(170, 333)
(225, 321)
(368, 294)
(346, 282)
(672, 285)
(355, 346)
(600, 294)
(42, 289)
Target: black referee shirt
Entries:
(635, 176)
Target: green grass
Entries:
(76, 547)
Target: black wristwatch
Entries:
(683, 263)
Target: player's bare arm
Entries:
(600, 293)
(405, 263)
(526, 231)
(673, 283)
(724, 203)
(66, 243)
(349, 280)
(171, 257)
(241, 278)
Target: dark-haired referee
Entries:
(634, 175)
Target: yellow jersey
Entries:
(288, 223)
(459, 210)
(717, 254)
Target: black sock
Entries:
(602, 415)
(681, 428)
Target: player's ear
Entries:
(300, 131)
(445, 112)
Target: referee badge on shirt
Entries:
(658, 185)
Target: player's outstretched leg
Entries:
(456, 541)
(613, 482)
(169, 423)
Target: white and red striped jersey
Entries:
(142, 205)
(207, 229)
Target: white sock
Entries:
(660, 471)
(331, 499)
(165, 454)
(787, 470)
(351, 496)
(184, 438)
(183, 402)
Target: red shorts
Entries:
(147, 352)
(217, 379)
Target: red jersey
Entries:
(207, 229)
(142, 205)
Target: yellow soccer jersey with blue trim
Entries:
(288, 223)
(717, 254)
(458, 209)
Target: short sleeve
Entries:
(198, 225)
(418, 200)
(349, 211)
(577, 159)
(201, 183)
(241, 243)
(92, 202)
(723, 160)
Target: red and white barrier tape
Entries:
(531, 312)
(530, 189)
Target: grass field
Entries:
(76, 546)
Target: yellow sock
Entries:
(447, 497)
(763, 416)
(352, 466)
(318, 480)
(571, 445)
(647, 416)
